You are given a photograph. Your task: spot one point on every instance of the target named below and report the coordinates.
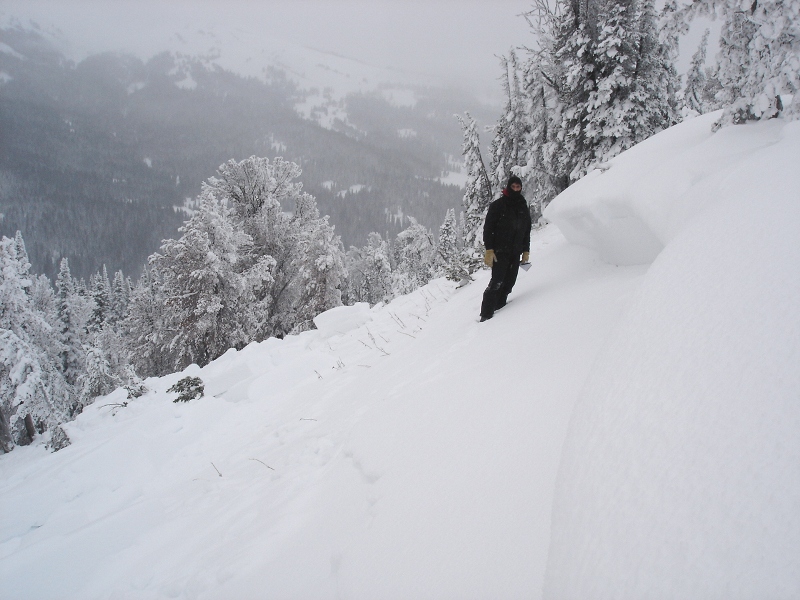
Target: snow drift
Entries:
(633, 206)
(680, 476)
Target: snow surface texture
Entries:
(407, 451)
(681, 471)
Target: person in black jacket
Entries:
(506, 236)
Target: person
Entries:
(506, 236)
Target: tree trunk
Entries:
(29, 428)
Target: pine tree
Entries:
(319, 264)
(261, 193)
(477, 195)
(693, 93)
(600, 79)
(245, 268)
(65, 290)
(97, 378)
(100, 291)
(119, 298)
(206, 289)
(449, 253)
(759, 57)
(414, 253)
(760, 60)
(540, 110)
(34, 396)
(370, 271)
(573, 74)
(146, 327)
(655, 79)
(634, 85)
(507, 151)
(608, 121)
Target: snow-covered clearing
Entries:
(408, 451)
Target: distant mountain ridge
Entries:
(98, 154)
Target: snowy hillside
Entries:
(680, 476)
(647, 401)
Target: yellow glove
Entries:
(526, 257)
(489, 258)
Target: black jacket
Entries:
(508, 224)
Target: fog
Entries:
(452, 42)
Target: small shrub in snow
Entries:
(135, 386)
(59, 440)
(188, 388)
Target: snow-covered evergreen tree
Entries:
(414, 253)
(541, 111)
(207, 291)
(655, 80)
(74, 313)
(759, 56)
(34, 395)
(100, 291)
(262, 193)
(370, 272)
(319, 264)
(599, 79)
(146, 330)
(508, 148)
(693, 92)
(119, 298)
(97, 378)
(477, 195)
(449, 253)
(760, 60)
(613, 79)
(608, 120)
(572, 72)
(256, 260)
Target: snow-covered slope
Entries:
(408, 451)
(681, 470)
(412, 456)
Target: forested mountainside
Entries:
(96, 156)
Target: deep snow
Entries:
(408, 451)
(681, 471)
(413, 456)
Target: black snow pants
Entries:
(504, 276)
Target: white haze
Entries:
(440, 41)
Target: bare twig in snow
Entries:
(372, 337)
(262, 462)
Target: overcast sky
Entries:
(454, 40)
